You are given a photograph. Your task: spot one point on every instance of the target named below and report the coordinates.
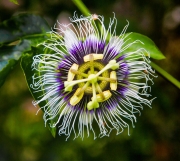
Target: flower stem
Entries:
(166, 75)
(81, 7)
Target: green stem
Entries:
(166, 75)
(81, 7)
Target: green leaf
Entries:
(37, 39)
(9, 56)
(144, 42)
(23, 26)
(26, 63)
(14, 1)
(29, 29)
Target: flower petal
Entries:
(93, 45)
(113, 48)
(70, 39)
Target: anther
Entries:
(92, 56)
(72, 74)
(113, 85)
(107, 94)
(82, 89)
(91, 59)
(76, 97)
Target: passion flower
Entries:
(89, 79)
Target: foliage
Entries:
(14, 1)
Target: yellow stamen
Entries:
(92, 56)
(107, 94)
(82, 89)
(76, 97)
(113, 85)
(72, 74)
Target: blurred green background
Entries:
(156, 137)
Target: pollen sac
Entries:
(70, 73)
(91, 57)
(76, 97)
(113, 85)
(106, 95)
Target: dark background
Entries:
(156, 137)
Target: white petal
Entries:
(116, 43)
(70, 39)
(93, 38)
(91, 42)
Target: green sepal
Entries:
(143, 42)
(26, 65)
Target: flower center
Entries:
(92, 78)
(92, 68)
